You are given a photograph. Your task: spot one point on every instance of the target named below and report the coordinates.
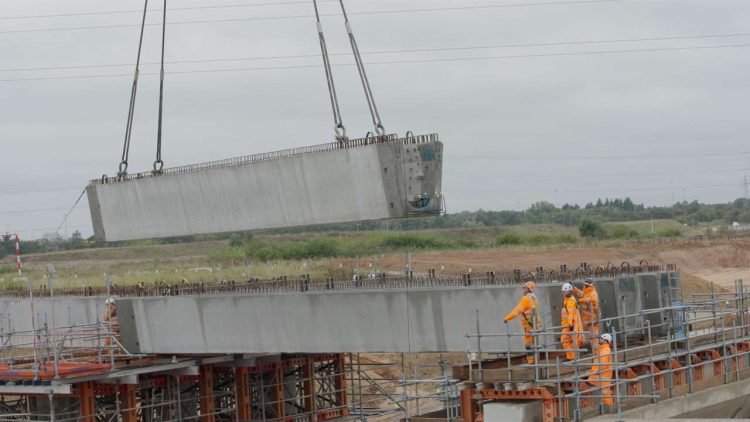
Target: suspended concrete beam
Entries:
(366, 179)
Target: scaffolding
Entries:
(707, 343)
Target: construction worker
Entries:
(601, 371)
(589, 309)
(528, 310)
(111, 320)
(570, 319)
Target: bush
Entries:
(509, 239)
(624, 232)
(567, 238)
(412, 241)
(321, 248)
(538, 240)
(240, 239)
(591, 228)
(669, 232)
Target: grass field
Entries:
(319, 255)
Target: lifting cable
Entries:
(159, 164)
(339, 125)
(123, 170)
(363, 76)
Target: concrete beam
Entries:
(425, 319)
(373, 179)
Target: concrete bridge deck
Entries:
(397, 317)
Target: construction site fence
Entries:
(304, 283)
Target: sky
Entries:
(563, 101)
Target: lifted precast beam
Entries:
(376, 178)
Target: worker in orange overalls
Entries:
(111, 320)
(570, 320)
(528, 310)
(589, 309)
(601, 371)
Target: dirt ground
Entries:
(701, 262)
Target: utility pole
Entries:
(671, 188)
(747, 193)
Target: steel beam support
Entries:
(340, 383)
(277, 392)
(467, 405)
(86, 394)
(309, 388)
(242, 388)
(206, 388)
(129, 404)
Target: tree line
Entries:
(587, 218)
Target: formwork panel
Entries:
(608, 302)
(369, 180)
(651, 298)
(628, 301)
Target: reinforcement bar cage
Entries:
(266, 156)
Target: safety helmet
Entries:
(567, 287)
(530, 285)
(110, 301)
(588, 281)
(606, 337)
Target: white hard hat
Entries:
(606, 337)
(567, 287)
(109, 301)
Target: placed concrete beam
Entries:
(367, 179)
(423, 319)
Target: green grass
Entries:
(266, 255)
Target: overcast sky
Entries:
(521, 122)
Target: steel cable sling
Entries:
(339, 128)
(158, 163)
(123, 169)
(379, 130)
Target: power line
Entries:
(42, 229)
(122, 12)
(599, 157)
(435, 60)
(588, 174)
(23, 191)
(272, 18)
(34, 210)
(603, 189)
(418, 50)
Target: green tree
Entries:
(592, 229)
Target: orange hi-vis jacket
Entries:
(601, 371)
(570, 317)
(589, 305)
(528, 309)
(111, 314)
